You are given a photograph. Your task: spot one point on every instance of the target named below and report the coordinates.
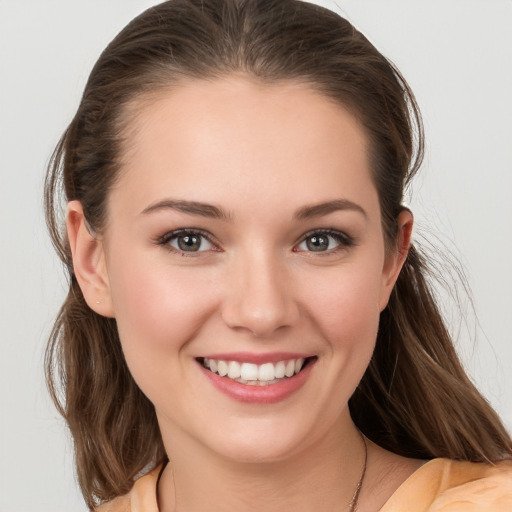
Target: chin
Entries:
(265, 440)
(254, 450)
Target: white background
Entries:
(457, 56)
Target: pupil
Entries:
(189, 242)
(317, 243)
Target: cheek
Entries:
(157, 311)
(346, 306)
(343, 309)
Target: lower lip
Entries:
(270, 394)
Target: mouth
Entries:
(251, 374)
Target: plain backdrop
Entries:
(456, 55)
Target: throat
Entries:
(323, 474)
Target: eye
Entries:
(324, 241)
(187, 241)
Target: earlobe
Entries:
(88, 261)
(397, 256)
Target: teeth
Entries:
(290, 368)
(257, 382)
(249, 371)
(233, 370)
(280, 370)
(222, 368)
(266, 372)
(253, 374)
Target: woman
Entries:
(248, 322)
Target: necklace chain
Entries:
(355, 498)
(352, 507)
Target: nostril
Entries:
(259, 304)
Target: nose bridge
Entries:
(259, 298)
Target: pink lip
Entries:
(269, 394)
(250, 357)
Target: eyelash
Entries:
(344, 241)
(172, 235)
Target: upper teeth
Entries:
(249, 372)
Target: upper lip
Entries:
(257, 358)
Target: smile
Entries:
(255, 374)
(257, 378)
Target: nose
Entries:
(259, 297)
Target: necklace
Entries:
(352, 507)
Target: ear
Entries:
(396, 256)
(88, 261)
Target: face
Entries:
(244, 236)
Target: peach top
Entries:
(440, 485)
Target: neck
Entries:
(322, 476)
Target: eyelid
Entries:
(344, 240)
(170, 235)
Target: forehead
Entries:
(210, 139)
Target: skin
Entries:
(260, 153)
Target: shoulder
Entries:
(474, 487)
(443, 485)
(141, 498)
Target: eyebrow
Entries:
(191, 207)
(321, 209)
(214, 212)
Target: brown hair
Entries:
(415, 398)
